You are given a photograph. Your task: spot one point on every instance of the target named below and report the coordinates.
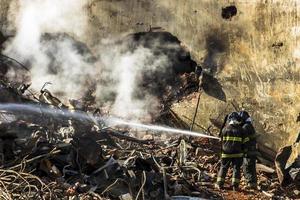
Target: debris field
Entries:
(50, 151)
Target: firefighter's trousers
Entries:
(249, 169)
(236, 166)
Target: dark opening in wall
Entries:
(174, 77)
(229, 11)
(164, 43)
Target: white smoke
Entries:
(116, 70)
(33, 18)
(127, 69)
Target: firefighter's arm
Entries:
(222, 132)
(223, 125)
(246, 140)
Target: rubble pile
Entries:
(50, 151)
(111, 164)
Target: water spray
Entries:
(110, 121)
(159, 128)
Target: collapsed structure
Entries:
(50, 151)
(57, 146)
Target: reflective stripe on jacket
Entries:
(233, 139)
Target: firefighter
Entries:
(232, 138)
(249, 162)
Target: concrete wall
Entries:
(4, 6)
(253, 56)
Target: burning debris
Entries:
(53, 150)
(75, 156)
(94, 133)
(50, 151)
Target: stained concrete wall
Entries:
(4, 6)
(253, 56)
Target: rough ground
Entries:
(58, 155)
(53, 151)
(125, 167)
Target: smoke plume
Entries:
(46, 38)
